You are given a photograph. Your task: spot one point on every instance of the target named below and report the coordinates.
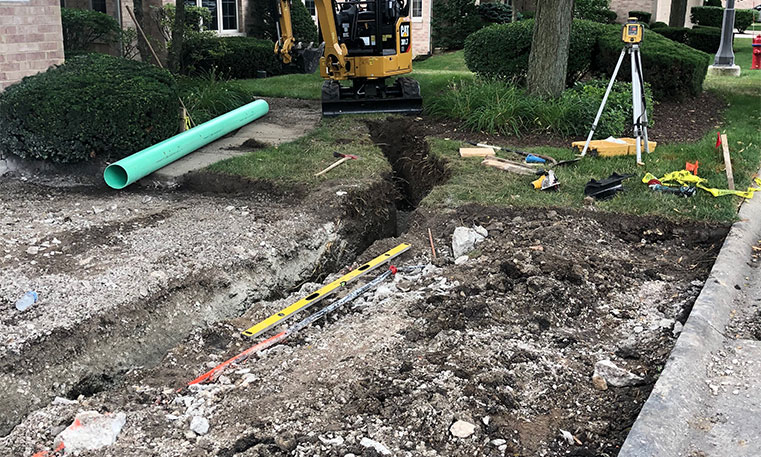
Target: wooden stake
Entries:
(508, 165)
(476, 152)
(158, 62)
(727, 162)
(430, 238)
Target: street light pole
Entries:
(724, 62)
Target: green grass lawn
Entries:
(473, 182)
(297, 162)
(434, 75)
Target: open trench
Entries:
(508, 344)
(94, 355)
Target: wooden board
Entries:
(728, 162)
(507, 165)
(476, 152)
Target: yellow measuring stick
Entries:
(313, 298)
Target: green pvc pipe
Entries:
(121, 174)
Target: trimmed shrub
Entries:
(235, 57)
(93, 105)
(498, 107)
(495, 13)
(263, 20)
(642, 16)
(658, 25)
(707, 16)
(712, 3)
(526, 15)
(713, 16)
(83, 28)
(678, 34)
(594, 10)
(304, 28)
(453, 22)
(707, 39)
(674, 70)
(509, 60)
(744, 19)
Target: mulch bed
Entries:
(673, 122)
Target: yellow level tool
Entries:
(334, 286)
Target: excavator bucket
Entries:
(364, 97)
(307, 59)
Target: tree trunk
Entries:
(178, 29)
(677, 13)
(142, 45)
(548, 60)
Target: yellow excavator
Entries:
(365, 42)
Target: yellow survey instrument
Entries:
(632, 32)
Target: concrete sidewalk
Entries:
(286, 121)
(729, 424)
(707, 401)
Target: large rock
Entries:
(616, 376)
(465, 239)
(462, 429)
(90, 430)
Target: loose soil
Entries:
(153, 288)
(506, 341)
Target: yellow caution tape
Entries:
(685, 178)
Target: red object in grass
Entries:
(693, 167)
(718, 139)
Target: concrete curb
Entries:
(663, 423)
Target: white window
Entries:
(224, 15)
(417, 10)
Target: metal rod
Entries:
(604, 100)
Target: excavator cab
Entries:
(366, 43)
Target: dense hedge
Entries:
(241, 57)
(744, 19)
(713, 16)
(594, 10)
(495, 13)
(674, 70)
(707, 16)
(510, 59)
(453, 22)
(91, 106)
(658, 25)
(678, 34)
(262, 20)
(642, 16)
(83, 28)
(707, 39)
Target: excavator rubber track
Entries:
(401, 97)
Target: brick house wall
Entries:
(31, 39)
(421, 30)
(622, 8)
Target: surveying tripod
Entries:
(632, 37)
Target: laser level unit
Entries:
(632, 32)
(631, 35)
